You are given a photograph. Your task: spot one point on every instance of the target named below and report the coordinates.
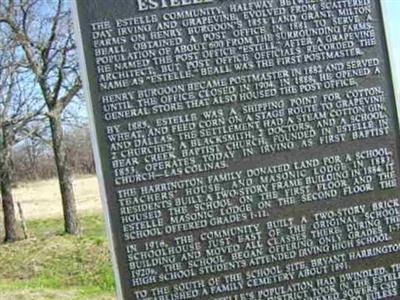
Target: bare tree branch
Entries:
(49, 51)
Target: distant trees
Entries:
(42, 32)
(79, 147)
(34, 159)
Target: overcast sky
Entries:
(393, 22)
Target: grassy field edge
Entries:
(51, 265)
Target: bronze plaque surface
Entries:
(245, 149)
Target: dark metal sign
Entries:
(245, 149)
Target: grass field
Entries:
(51, 265)
(41, 199)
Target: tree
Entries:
(18, 110)
(44, 33)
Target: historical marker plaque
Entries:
(246, 149)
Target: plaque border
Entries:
(393, 72)
(95, 146)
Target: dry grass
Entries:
(50, 264)
(42, 295)
(41, 199)
(28, 294)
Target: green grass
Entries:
(52, 265)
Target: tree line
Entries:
(39, 82)
(34, 158)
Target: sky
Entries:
(392, 16)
